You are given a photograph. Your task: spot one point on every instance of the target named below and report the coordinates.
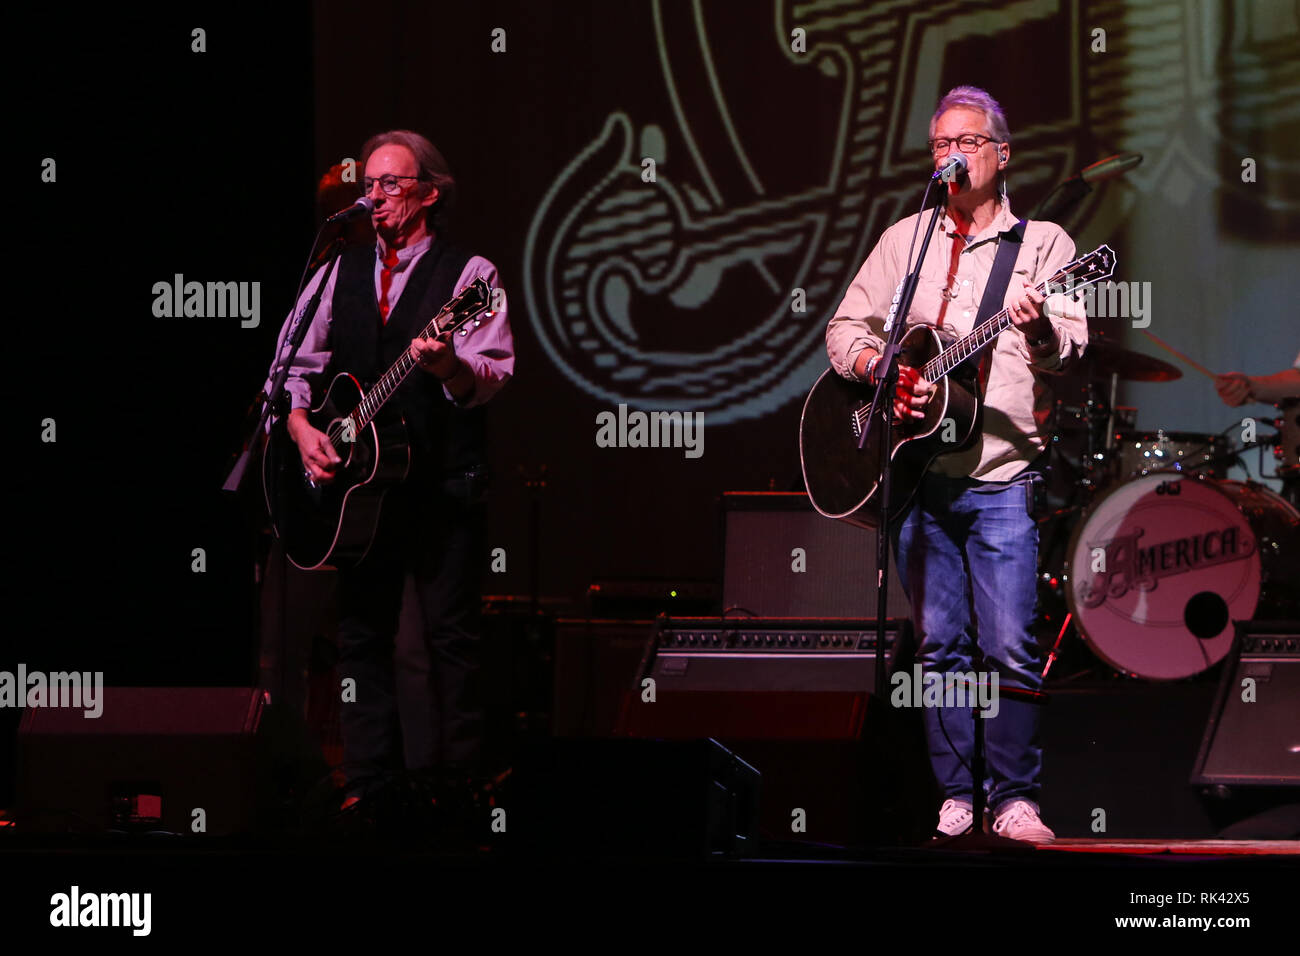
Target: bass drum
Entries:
(1160, 567)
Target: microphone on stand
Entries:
(364, 205)
(1065, 194)
(955, 161)
(1109, 168)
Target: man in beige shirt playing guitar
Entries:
(967, 543)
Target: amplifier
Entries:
(783, 559)
(782, 678)
(1248, 767)
(1253, 736)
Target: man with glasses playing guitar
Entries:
(967, 543)
(427, 554)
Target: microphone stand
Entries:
(275, 401)
(886, 373)
(237, 480)
(1061, 199)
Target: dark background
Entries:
(206, 165)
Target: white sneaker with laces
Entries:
(954, 819)
(1019, 821)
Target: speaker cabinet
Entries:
(1248, 767)
(596, 664)
(154, 756)
(769, 679)
(586, 797)
(1253, 735)
(783, 559)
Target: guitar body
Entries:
(333, 524)
(843, 481)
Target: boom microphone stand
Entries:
(241, 480)
(274, 402)
(886, 374)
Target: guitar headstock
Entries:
(1096, 266)
(466, 307)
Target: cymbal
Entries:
(1106, 357)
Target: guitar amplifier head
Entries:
(783, 559)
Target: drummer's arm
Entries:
(1275, 388)
(1237, 389)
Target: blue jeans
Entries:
(967, 554)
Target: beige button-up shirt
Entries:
(1017, 397)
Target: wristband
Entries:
(871, 367)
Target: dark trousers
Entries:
(408, 636)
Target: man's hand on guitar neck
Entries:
(913, 392)
(1028, 315)
(439, 360)
(318, 455)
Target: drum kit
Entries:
(1150, 551)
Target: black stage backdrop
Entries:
(785, 137)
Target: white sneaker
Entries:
(954, 819)
(1019, 821)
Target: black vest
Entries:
(446, 441)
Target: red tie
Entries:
(386, 280)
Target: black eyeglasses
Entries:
(389, 184)
(967, 144)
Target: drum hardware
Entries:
(1144, 453)
(1287, 449)
(1056, 647)
(1110, 419)
(1083, 435)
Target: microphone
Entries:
(955, 161)
(364, 205)
(1109, 168)
(1068, 192)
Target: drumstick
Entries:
(1169, 348)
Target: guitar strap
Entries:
(995, 291)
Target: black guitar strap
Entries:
(1000, 276)
(1004, 263)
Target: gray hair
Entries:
(973, 98)
(433, 169)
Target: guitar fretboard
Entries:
(1071, 278)
(961, 350)
(390, 381)
(456, 313)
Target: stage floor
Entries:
(1182, 847)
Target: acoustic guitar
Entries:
(843, 479)
(332, 524)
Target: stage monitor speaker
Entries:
(684, 800)
(783, 559)
(1248, 767)
(1253, 734)
(151, 759)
